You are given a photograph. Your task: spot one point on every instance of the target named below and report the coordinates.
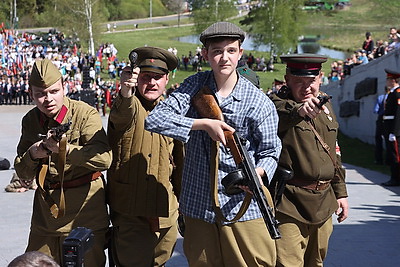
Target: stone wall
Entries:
(354, 97)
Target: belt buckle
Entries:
(321, 183)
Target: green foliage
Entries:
(211, 11)
(387, 11)
(276, 23)
(141, 9)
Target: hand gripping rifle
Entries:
(207, 107)
(58, 131)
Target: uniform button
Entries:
(150, 155)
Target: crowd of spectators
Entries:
(369, 51)
(83, 71)
(80, 71)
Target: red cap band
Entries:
(304, 66)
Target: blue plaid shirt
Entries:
(249, 111)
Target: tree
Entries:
(207, 12)
(177, 6)
(79, 17)
(276, 23)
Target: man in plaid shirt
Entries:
(208, 240)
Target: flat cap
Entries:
(222, 29)
(44, 73)
(153, 59)
(306, 65)
(249, 74)
(392, 74)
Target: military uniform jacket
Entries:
(304, 155)
(391, 117)
(88, 152)
(141, 179)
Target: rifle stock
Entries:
(207, 107)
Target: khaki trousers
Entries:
(133, 244)
(241, 244)
(52, 246)
(302, 244)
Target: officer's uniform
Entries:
(144, 178)
(391, 122)
(309, 198)
(84, 189)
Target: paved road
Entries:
(369, 237)
(118, 23)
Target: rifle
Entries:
(58, 131)
(207, 107)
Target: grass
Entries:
(345, 30)
(358, 153)
(342, 30)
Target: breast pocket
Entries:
(333, 128)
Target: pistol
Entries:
(323, 99)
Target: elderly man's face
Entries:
(303, 87)
(48, 100)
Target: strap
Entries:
(57, 211)
(62, 153)
(214, 187)
(324, 145)
(45, 194)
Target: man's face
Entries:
(223, 56)
(152, 85)
(303, 87)
(391, 83)
(48, 100)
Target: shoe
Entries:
(391, 183)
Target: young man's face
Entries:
(303, 87)
(391, 83)
(223, 56)
(152, 85)
(48, 100)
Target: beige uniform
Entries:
(143, 186)
(89, 152)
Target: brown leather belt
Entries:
(85, 179)
(310, 184)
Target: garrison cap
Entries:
(222, 29)
(44, 73)
(392, 74)
(306, 65)
(154, 59)
(249, 74)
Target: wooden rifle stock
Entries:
(207, 107)
(206, 104)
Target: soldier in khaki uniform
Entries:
(87, 154)
(315, 192)
(144, 178)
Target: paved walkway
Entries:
(369, 237)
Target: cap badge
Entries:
(152, 60)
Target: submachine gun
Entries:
(207, 107)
